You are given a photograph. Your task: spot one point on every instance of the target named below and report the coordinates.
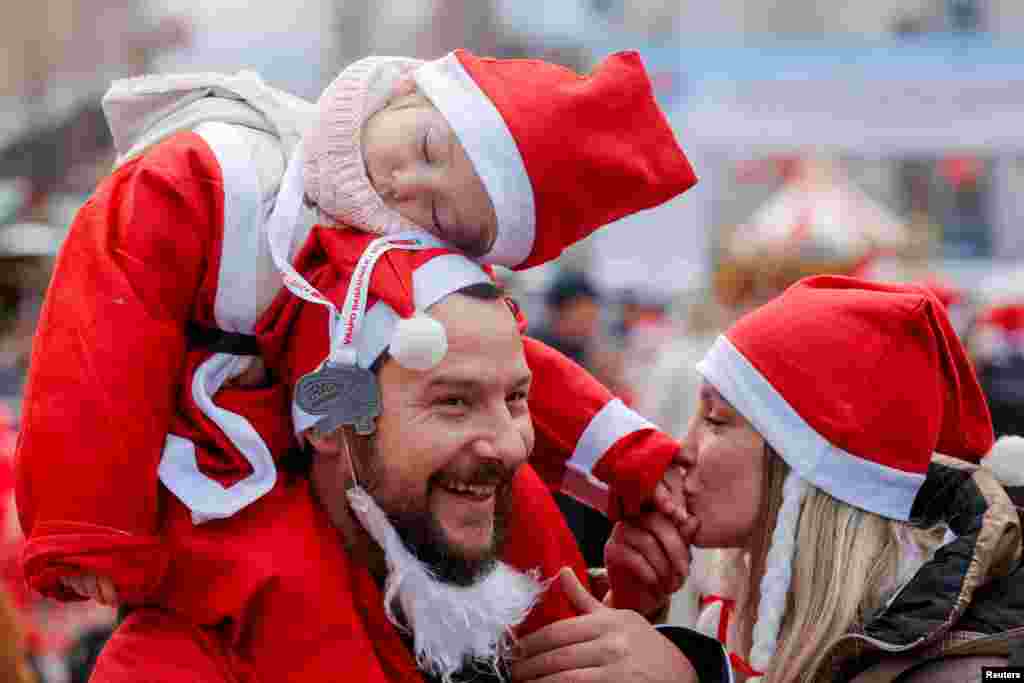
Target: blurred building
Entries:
(58, 52)
(961, 197)
(431, 28)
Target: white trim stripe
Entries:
(491, 147)
(852, 479)
(610, 424)
(206, 498)
(246, 280)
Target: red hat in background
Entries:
(855, 384)
(389, 282)
(998, 331)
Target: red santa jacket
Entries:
(269, 593)
(172, 237)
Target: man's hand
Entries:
(648, 559)
(98, 588)
(648, 556)
(601, 645)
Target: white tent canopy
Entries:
(821, 213)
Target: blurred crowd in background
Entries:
(878, 139)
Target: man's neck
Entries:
(364, 550)
(358, 544)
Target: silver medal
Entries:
(343, 394)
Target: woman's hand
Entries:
(603, 644)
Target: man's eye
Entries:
(714, 421)
(452, 402)
(426, 146)
(517, 396)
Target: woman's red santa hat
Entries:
(855, 384)
(560, 154)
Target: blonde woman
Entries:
(810, 458)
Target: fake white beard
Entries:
(452, 626)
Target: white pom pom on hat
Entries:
(419, 342)
(1006, 460)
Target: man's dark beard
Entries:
(423, 536)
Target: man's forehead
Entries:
(457, 378)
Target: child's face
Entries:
(418, 167)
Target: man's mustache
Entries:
(484, 473)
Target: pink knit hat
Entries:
(334, 174)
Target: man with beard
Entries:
(420, 541)
(179, 254)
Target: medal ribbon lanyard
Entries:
(343, 325)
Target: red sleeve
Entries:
(590, 445)
(105, 364)
(539, 538)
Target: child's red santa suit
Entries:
(176, 238)
(271, 593)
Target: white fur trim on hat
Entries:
(1006, 460)
(489, 144)
(778, 574)
(857, 481)
(334, 171)
(418, 342)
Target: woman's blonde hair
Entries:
(846, 565)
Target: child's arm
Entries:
(590, 446)
(105, 365)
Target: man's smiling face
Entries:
(450, 439)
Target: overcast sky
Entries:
(283, 41)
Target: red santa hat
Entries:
(560, 154)
(855, 384)
(997, 332)
(373, 293)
